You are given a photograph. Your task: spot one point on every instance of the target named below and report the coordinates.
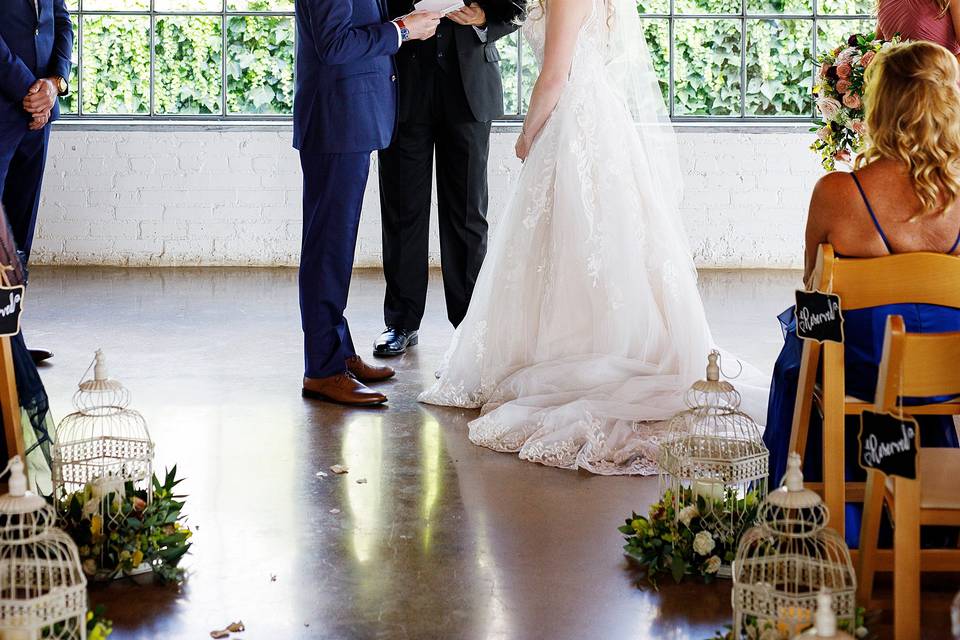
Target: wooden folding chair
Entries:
(923, 278)
(914, 365)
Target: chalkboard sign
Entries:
(819, 317)
(11, 305)
(888, 442)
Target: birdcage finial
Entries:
(713, 369)
(826, 619)
(793, 479)
(100, 368)
(17, 487)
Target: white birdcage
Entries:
(713, 457)
(43, 592)
(784, 562)
(102, 446)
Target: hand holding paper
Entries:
(443, 7)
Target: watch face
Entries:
(61, 85)
(404, 33)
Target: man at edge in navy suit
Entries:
(36, 41)
(345, 107)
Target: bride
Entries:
(586, 326)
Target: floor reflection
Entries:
(442, 540)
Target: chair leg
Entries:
(809, 361)
(834, 493)
(906, 559)
(869, 532)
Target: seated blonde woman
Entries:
(902, 198)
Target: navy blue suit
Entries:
(345, 107)
(35, 42)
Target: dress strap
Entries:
(956, 243)
(873, 216)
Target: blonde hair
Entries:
(912, 104)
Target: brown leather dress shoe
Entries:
(342, 388)
(366, 372)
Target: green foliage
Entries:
(681, 542)
(189, 57)
(116, 533)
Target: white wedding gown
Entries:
(586, 326)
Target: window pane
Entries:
(779, 74)
(259, 64)
(707, 72)
(68, 103)
(658, 40)
(708, 6)
(183, 6)
(115, 5)
(508, 74)
(116, 64)
(803, 7)
(188, 65)
(654, 6)
(260, 5)
(529, 74)
(834, 33)
(849, 7)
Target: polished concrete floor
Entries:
(441, 540)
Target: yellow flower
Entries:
(96, 525)
(137, 558)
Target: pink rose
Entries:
(843, 86)
(829, 107)
(824, 68)
(824, 133)
(858, 127)
(844, 70)
(852, 101)
(842, 156)
(867, 59)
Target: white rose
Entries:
(713, 565)
(687, 514)
(703, 543)
(829, 107)
(825, 133)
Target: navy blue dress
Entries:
(863, 349)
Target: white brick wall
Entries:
(192, 195)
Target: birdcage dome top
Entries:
(100, 395)
(23, 515)
(793, 510)
(712, 393)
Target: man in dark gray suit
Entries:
(450, 91)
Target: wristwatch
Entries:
(62, 87)
(404, 32)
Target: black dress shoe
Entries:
(394, 342)
(40, 355)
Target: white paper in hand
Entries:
(443, 7)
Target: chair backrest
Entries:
(916, 365)
(922, 278)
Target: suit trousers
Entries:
(446, 127)
(333, 186)
(23, 156)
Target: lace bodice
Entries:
(590, 44)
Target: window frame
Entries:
(672, 16)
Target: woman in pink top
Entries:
(931, 20)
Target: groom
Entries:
(345, 106)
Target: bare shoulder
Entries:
(834, 196)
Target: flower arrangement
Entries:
(838, 94)
(675, 540)
(133, 534)
(769, 630)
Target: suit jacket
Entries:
(478, 58)
(345, 99)
(31, 46)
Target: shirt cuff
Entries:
(399, 35)
(481, 33)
